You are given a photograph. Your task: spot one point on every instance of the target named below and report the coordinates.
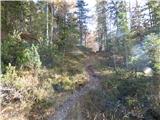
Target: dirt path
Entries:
(63, 110)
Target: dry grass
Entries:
(29, 95)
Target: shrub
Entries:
(132, 88)
(19, 53)
(30, 57)
(49, 55)
(10, 76)
(15, 79)
(64, 82)
(10, 48)
(152, 44)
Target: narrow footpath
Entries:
(94, 83)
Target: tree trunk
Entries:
(30, 19)
(22, 19)
(126, 56)
(114, 54)
(81, 34)
(52, 17)
(47, 35)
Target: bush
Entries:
(63, 82)
(19, 53)
(152, 45)
(30, 57)
(10, 47)
(16, 79)
(49, 55)
(10, 76)
(132, 88)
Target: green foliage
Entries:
(101, 22)
(152, 45)
(10, 14)
(132, 88)
(82, 18)
(10, 50)
(154, 7)
(67, 83)
(131, 101)
(122, 97)
(12, 79)
(49, 55)
(30, 57)
(10, 75)
(19, 53)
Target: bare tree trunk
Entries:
(126, 56)
(81, 34)
(47, 29)
(52, 13)
(150, 17)
(130, 14)
(114, 55)
(22, 19)
(30, 18)
(85, 40)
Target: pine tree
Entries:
(82, 18)
(137, 23)
(102, 19)
(118, 11)
(154, 13)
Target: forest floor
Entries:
(111, 95)
(29, 96)
(94, 83)
(90, 91)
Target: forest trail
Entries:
(94, 83)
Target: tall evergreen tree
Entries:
(118, 11)
(102, 20)
(154, 13)
(137, 22)
(82, 18)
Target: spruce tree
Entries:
(82, 18)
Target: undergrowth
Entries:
(123, 97)
(36, 93)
